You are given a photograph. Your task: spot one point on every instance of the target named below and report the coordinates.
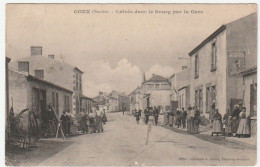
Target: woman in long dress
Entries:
(227, 123)
(189, 119)
(165, 115)
(243, 127)
(216, 123)
(171, 117)
(196, 120)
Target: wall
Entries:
(17, 91)
(241, 37)
(49, 89)
(248, 80)
(160, 97)
(54, 71)
(206, 76)
(86, 104)
(59, 73)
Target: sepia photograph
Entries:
(130, 84)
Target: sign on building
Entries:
(236, 63)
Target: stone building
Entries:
(216, 64)
(86, 104)
(180, 89)
(54, 71)
(250, 95)
(156, 91)
(123, 101)
(28, 91)
(136, 99)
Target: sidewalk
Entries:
(205, 133)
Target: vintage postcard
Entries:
(131, 85)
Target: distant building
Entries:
(107, 102)
(86, 104)
(28, 91)
(136, 99)
(123, 100)
(156, 91)
(180, 89)
(54, 71)
(216, 64)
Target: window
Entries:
(208, 99)
(213, 94)
(80, 86)
(107, 100)
(213, 56)
(39, 73)
(200, 107)
(77, 86)
(107, 107)
(157, 86)
(196, 66)
(198, 99)
(66, 103)
(23, 66)
(150, 86)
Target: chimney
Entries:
(51, 56)
(184, 67)
(36, 51)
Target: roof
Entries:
(249, 71)
(134, 91)
(111, 97)
(212, 36)
(30, 77)
(157, 78)
(85, 97)
(76, 68)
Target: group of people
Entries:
(175, 117)
(88, 123)
(149, 111)
(233, 124)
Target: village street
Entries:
(124, 143)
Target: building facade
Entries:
(86, 104)
(156, 91)
(250, 96)
(54, 71)
(217, 61)
(27, 91)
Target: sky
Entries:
(115, 49)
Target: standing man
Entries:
(138, 115)
(124, 108)
(63, 120)
(146, 114)
(156, 114)
(184, 116)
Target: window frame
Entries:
(213, 66)
(196, 66)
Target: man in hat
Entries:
(65, 123)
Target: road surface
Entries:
(126, 143)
